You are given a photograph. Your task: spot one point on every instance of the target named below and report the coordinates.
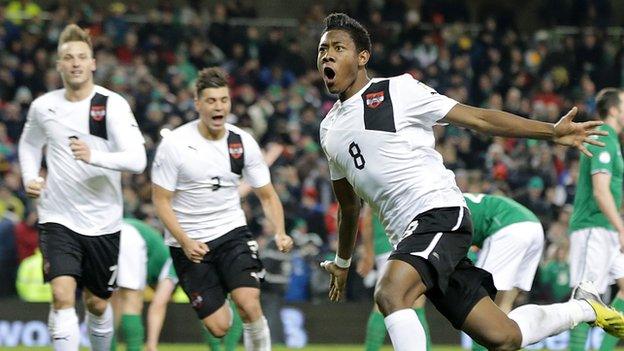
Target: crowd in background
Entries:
(152, 56)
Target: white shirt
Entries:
(390, 159)
(206, 200)
(85, 198)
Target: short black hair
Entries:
(358, 33)
(605, 99)
(211, 77)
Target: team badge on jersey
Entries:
(236, 150)
(373, 100)
(98, 112)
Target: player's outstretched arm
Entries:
(132, 159)
(565, 132)
(348, 213)
(272, 207)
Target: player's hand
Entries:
(284, 242)
(195, 250)
(365, 265)
(80, 149)
(337, 281)
(569, 133)
(35, 187)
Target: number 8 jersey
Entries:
(381, 140)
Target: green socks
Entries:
(609, 342)
(376, 330)
(131, 328)
(213, 343)
(578, 337)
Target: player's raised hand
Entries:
(80, 149)
(337, 281)
(284, 242)
(574, 134)
(35, 187)
(195, 250)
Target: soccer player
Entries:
(511, 239)
(195, 177)
(596, 228)
(379, 142)
(90, 136)
(375, 250)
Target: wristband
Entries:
(342, 263)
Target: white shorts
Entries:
(381, 261)
(595, 255)
(132, 263)
(512, 255)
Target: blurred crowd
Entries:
(152, 56)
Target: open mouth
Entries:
(217, 118)
(329, 73)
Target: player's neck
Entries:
(613, 123)
(80, 93)
(208, 133)
(360, 81)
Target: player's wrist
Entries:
(342, 263)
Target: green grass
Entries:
(194, 347)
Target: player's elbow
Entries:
(140, 164)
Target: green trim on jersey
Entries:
(491, 213)
(157, 251)
(381, 242)
(606, 159)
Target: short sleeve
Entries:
(255, 170)
(420, 103)
(122, 126)
(602, 160)
(166, 165)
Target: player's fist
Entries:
(337, 281)
(195, 250)
(80, 149)
(35, 187)
(284, 242)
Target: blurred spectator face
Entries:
(213, 106)
(338, 60)
(75, 64)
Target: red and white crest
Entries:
(236, 150)
(373, 100)
(98, 112)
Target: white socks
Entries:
(64, 329)
(257, 336)
(539, 322)
(406, 332)
(101, 329)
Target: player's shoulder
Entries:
(113, 97)
(49, 98)
(245, 136)
(183, 132)
(329, 114)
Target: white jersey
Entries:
(82, 197)
(381, 140)
(205, 175)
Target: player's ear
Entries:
(363, 57)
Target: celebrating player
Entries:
(195, 179)
(379, 142)
(91, 136)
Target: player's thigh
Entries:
(238, 263)
(400, 285)
(200, 282)
(62, 261)
(591, 256)
(530, 261)
(100, 263)
(247, 301)
(132, 262)
(490, 327)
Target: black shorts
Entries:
(437, 250)
(92, 260)
(231, 263)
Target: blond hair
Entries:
(73, 32)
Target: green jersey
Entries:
(556, 276)
(607, 159)
(491, 213)
(381, 241)
(158, 257)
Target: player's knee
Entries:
(62, 297)
(387, 300)
(217, 328)
(249, 309)
(503, 340)
(95, 305)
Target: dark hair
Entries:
(607, 98)
(211, 77)
(358, 33)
